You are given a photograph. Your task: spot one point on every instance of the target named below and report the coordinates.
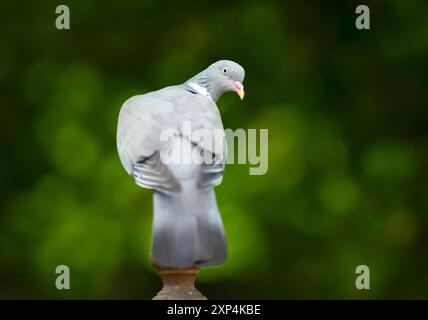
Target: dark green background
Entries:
(347, 117)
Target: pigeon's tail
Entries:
(187, 229)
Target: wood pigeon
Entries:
(187, 227)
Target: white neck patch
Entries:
(199, 89)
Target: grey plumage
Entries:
(187, 227)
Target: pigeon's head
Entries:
(220, 77)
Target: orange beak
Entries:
(239, 88)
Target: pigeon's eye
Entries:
(225, 70)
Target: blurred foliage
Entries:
(347, 116)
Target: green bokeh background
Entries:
(347, 116)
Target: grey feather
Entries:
(153, 174)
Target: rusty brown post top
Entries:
(179, 284)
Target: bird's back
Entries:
(143, 118)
